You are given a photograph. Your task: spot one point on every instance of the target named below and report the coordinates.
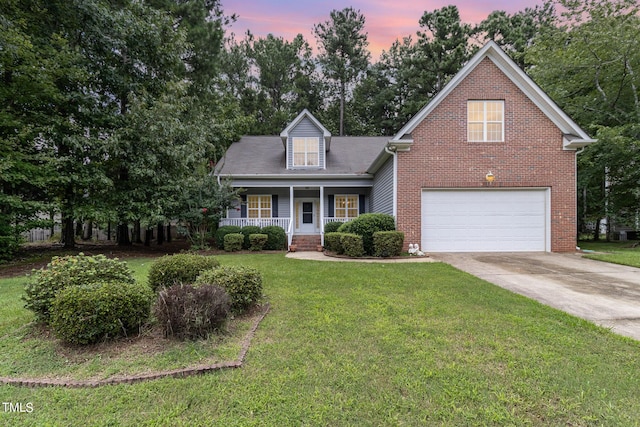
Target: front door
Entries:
(306, 216)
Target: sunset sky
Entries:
(386, 20)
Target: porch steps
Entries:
(305, 243)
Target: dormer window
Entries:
(306, 151)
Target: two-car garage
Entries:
(485, 220)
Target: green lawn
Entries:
(371, 345)
(616, 252)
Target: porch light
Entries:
(489, 177)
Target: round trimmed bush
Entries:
(257, 241)
(332, 227)
(247, 231)
(243, 284)
(90, 313)
(176, 269)
(366, 225)
(223, 231)
(277, 237)
(69, 271)
(233, 242)
(190, 312)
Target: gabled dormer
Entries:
(306, 142)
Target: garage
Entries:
(485, 220)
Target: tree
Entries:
(343, 51)
(514, 33)
(441, 50)
(590, 65)
(284, 73)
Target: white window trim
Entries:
(259, 208)
(306, 140)
(346, 209)
(484, 121)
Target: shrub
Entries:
(277, 237)
(352, 245)
(233, 242)
(257, 241)
(189, 312)
(332, 242)
(90, 313)
(247, 231)
(367, 224)
(345, 227)
(388, 243)
(223, 231)
(170, 270)
(332, 227)
(68, 271)
(243, 284)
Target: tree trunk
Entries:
(342, 96)
(136, 232)
(109, 230)
(168, 233)
(68, 237)
(160, 233)
(148, 236)
(596, 233)
(123, 238)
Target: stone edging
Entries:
(175, 373)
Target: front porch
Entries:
(287, 225)
(299, 210)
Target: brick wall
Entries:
(530, 156)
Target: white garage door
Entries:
(484, 220)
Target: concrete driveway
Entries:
(606, 294)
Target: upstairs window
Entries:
(346, 206)
(306, 152)
(259, 206)
(485, 121)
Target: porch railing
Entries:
(260, 222)
(328, 220)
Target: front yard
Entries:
(625, 253)
(362, 344)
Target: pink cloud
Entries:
(385, 21)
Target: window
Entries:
(485, 121)
(306, 152)
(259, 206)
(346, 206)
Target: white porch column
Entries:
(292, 223)
(322, 215)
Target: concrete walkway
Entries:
(606, 294)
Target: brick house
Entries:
(488, 165)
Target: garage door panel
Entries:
(484, 220)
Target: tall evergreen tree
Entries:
(343, 52)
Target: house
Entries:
(488, 165)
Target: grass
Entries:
(615, 252)
(373, 344)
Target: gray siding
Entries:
(306, 128)
(382, 192)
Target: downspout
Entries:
(393, 153)
(576, 165)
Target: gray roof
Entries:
(265, 155)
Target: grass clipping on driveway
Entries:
(371, 344)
